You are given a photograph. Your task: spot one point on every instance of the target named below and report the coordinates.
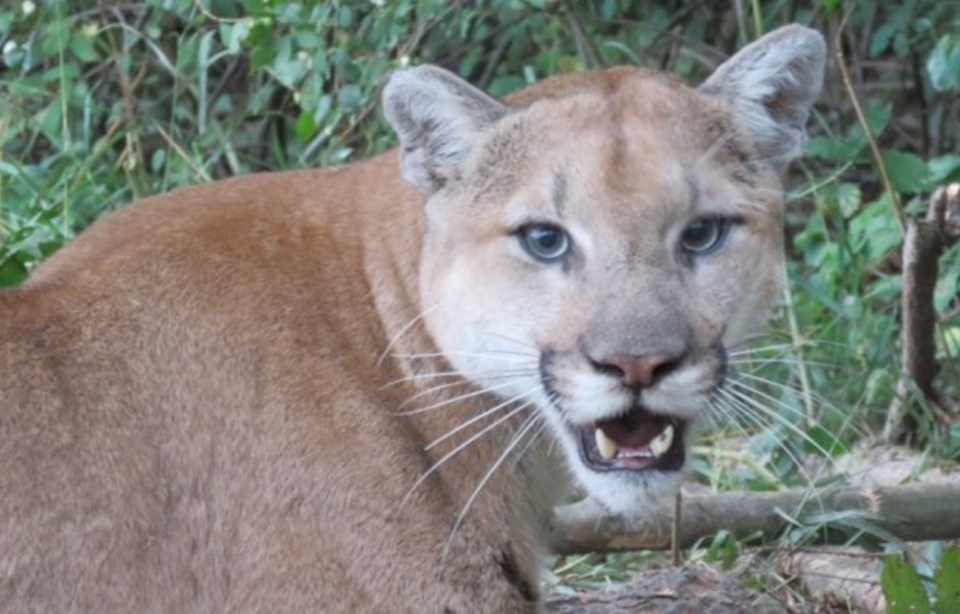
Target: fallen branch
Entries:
(915, 512)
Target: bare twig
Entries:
(199, 171)
(874, 147)
(588, 51)
(675, 529)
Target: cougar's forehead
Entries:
(642, 154)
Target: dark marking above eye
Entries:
(558, 192)
(694, 189)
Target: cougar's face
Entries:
(591, 268)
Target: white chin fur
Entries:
(625, 493)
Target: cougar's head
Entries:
(593, 250)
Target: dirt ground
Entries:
(679, 590)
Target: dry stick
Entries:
(675, 529)
(874, 147)
(202, 174)
(914, 512)
(926, 240)
(585, 47)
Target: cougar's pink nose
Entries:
(638, 371)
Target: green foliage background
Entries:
(103, 103)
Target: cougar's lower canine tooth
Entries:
(662, 442)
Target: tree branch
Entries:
(915, 512)
(926, 240)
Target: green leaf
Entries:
(881, 38)
(834, 149)
(346, 17)
(48, 121)
(12, 272)
(943, 65)
(944, 169)
(822, 439)
(81, 46)
(232, 35)
(306, 127)
(831, 5)
(349, 97)
(848, 197)
(724, 548)
(879, 114)
(902, 587)
(908, 172)
(947, 581)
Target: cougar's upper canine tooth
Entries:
(608, 447)
(662, 442)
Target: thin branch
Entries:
(588, 51)
(874, 146)
(925, 241)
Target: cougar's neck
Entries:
(443, 407)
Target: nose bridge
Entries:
(642, 314)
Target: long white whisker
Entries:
(750, 416)
(463, 445)
(497, 374)
(722, 405)
(531, 441)
(493, 356)
(518, 436)
(512, 376)
(757, 362)
(787, 388)
(403, 331)
(433, 390)
(512, 340)
(462, 397)
(422, 376)
(776, 415)
(739, 408)
(761, 349)
(748, 339)
(479, 417)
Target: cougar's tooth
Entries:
(608, 447)
(662, 442)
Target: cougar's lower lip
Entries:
(636, 441)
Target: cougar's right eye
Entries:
(545, 243)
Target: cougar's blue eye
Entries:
(703, 236)
(544, 242)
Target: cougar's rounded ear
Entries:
(771, 85)
(437, 116)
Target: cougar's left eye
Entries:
(545, 242)
(703, 236)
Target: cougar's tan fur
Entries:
(208, 401)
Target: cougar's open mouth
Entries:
(636, 441)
